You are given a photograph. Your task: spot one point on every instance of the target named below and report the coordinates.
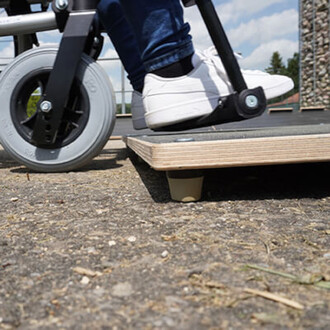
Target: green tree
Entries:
(276, 64)
(292, 70)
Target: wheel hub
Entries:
(23, 107)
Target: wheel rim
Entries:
(23, 108)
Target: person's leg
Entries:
(162, 35)
(123, 38)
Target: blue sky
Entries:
(256, 29)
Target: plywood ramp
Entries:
(296, 144)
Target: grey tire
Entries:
(83, 146)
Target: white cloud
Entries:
(260, 57)
(8, 51)
(201, 38)
(112, 68)
(48, 44)
(110, 53)
(233, 10)
(260, 35)
(265, 29)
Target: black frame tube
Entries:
(222, 44)
(85, 4)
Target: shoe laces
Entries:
(211, 55)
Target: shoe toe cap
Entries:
(273, 85)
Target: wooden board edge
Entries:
(233, 153)
(143, 149)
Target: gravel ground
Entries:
(106, 248)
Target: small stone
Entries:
(122, 290)
(85, 280)
(98, 291)
(14, 199)
(158, 323)
(164, 254)
(131, 239)
(107, 264)
(326, 255)
(112, 243)
(29, 282)
(35, 274)
(169, 322)
(91, 250)
(85, 271)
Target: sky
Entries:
(255, 28)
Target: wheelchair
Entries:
(74, 115)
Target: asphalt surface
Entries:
(105, 247)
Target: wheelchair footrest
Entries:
(248, 104)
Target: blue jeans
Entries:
(152, 32)
(123, 38)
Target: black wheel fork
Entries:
(77, 16)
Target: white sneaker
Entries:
(172, 100)
(137, 108)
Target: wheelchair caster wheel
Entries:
(88, 119)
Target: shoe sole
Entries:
(183, 112)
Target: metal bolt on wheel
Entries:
(46, 106)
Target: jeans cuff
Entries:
(169, 58)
